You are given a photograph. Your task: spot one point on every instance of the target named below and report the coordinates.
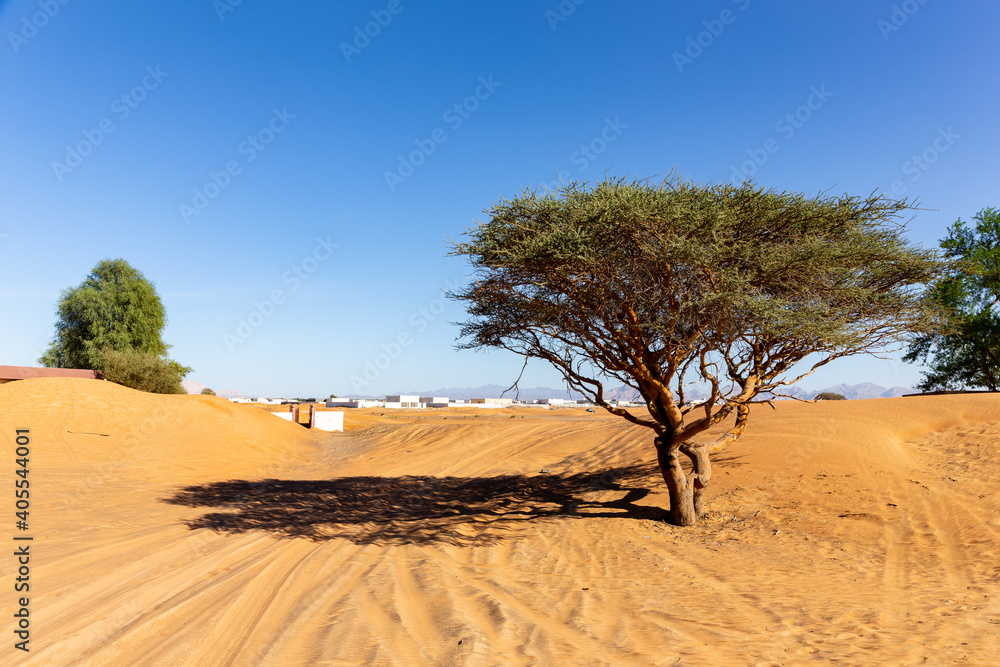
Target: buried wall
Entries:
(323, 421)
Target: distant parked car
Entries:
(590, 409)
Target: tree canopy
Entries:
(966, 354)
(113, 322)
(658, 287)
(145, 372)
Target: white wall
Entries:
(330, 421)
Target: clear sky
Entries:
(224, 148)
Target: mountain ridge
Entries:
(861, 391)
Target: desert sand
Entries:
(186, 530)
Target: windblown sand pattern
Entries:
(185, 530)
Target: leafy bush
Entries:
(829, 396)
(116, 307)
(138, 370)
(963, 354)
(208, 392)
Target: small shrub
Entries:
(829, 396)
(208, 392)
(137, 370)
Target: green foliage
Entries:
(208, 392)
(139, 370)
(182, 371)
(966, 353)
(661, 287)
(114, 308)
(112, 322)
(644, 284)
(829, 396)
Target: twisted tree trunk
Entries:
(700, 475)
(681, 494)
(686, 491)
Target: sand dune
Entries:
(185, 530)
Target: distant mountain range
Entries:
(623, 393)
(848, 391)
(192, 387)
(495, 391)
(852, 391)
(230, 393)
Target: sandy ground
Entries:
(185, 530)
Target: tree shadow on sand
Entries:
(418, 510)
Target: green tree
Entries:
(656, 287)
(110, 320)
(208, 392)
(138, 370)
(181, 370)
(966, 354)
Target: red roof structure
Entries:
(11, 373)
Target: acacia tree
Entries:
(967, 352)
(657, 287)
(112, 322)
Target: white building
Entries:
(493, 401)
(433, 401)
(402, 401)
(341, 403)
(260, 399)
(353, 403)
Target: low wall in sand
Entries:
(324, 421)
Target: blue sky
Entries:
(224, 148)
